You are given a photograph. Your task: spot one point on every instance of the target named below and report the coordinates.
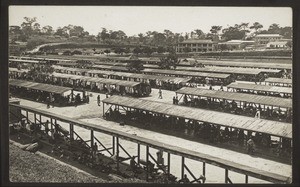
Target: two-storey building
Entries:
(263, 39)
(196, 45)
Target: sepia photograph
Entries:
(150, 94)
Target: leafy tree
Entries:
(107, 51)
(67, 52)
(135, 65)
(200, 34)
(215, 32)
(61, 32)
(274, 29)
(137, 50)
(119, 50)
(286, 32)
(147, 50)
(244, 27)
(104, 34)
(233, 33)
(256, 26)
(161, 49)
(27, 26)
(47, 30)
(83, 63)
(76, 52)
(169, 61)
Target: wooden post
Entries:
(138, 153)
(34, 117)
(27, 115)
(246, 179)
(102, 109)
(92, 138)
(41, 118)
(71, 132)
(226, 176)
(147, 160)
(182, 167)
(169, 162)
(203, 170)
(118, 164)
(51, 125)
(113, 145)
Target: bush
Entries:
(76, 52)
(67, 52)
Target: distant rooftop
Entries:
(238, 41)
(278, 43)
(268, 35)
(192, 41)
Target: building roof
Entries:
(277, 43)
(268, 35)
(193, 41)
(258, 87)
(249, 98)
(174, 80)
(98, 80)
(187, 73)
(246, 64)
(39, 86)
(216, 69)
(275, 128)
(237, 42)
(17, 70)
(25, 61)
(216, 161)
(279, 80)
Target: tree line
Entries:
(30, 28)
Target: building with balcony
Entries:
(263, 39)
(196, 45)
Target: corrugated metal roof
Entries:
(39, 86)
(246, 64)
(230, 120)
(279, 80)
(18, 70)
(220, 162)
(110, 67)
(216, 69)
(191, 41)
(64, 63)
(25, 61)
(259, 87)
(98, 80)
(250, 98)
(187, 73)
(129, 75)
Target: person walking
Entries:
(160, 94)
(98, 100)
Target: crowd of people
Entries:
(204, 131)
(247, 109)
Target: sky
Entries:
(134, 20)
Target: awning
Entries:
(274, 128)
(249, 98)
(39, 86)
(259, 87)
(279, 80)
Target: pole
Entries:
(203, 171)
(182, 167)
(118, 164)
(138, 153)
(92, 138)
(147, 160)
(169, 162)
